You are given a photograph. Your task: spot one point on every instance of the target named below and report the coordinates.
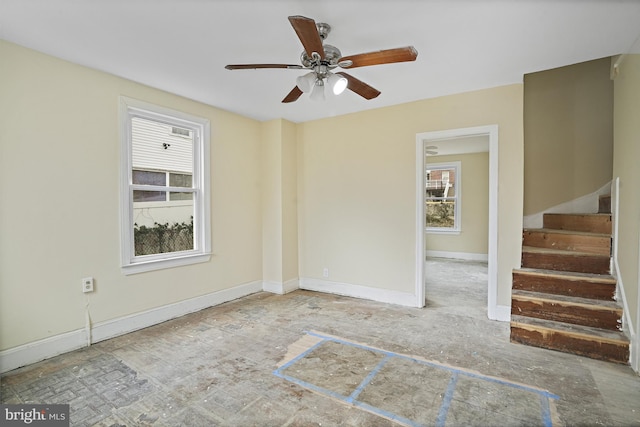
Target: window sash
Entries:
(164, 188)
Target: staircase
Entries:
(562, 297)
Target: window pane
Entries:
(149, 196)
(149, 178)
(155, 146)
(163, 229)
(179, 180)
(440, 213)
(441, 182)
(180, 196)
(441, 197)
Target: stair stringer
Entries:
(620, 296)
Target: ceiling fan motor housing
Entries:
(331, 57)
(323, 29)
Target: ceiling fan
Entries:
(320, 59)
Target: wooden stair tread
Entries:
(569, 275)
(566, 232)
(591, 222)
(598, 214)
(551, 251)
(567, 300)
(578, 331)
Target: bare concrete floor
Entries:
(256, 362)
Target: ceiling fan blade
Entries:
(256, 66)
(388, 56)
(308, 34)
(293, 95)
(359, 87)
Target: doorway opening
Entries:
(425, 142)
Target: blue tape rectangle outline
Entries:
(388, 355)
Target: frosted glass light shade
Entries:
(306, 83)
(317, 94)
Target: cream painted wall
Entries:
(357, 190)
(474, 231)
(279, 208)
(271, 147)
(568, 129)
(625, 166)
(289, 201)
(59, 216)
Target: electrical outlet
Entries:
(325, 272)
(87, 284)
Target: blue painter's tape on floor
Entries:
(446, 401)
(352, 399)
(546, 411)
(368, 379)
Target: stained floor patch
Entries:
(412, 391)
(91, 389)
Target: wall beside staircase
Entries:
(625, 166)
(568, 133)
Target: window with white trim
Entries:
(442, 197)
(165, 203)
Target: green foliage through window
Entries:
(163, 238)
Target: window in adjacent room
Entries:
(442, 201)
(165, 194)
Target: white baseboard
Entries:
(634, 355)
(468, 256)
(359, 291)
(501, 313)
(52, 346)
(281, 288)
(42, 349)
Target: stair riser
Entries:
(559, 286)
(604, 204)
(555, 340)
(596, 317)
(588, 223)
(600, 245)
(559, 262)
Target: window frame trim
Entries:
(129, 263)
(457, 165)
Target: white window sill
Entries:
(159, 264)
(437, 231)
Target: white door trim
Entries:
(428, 138)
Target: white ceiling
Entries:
(182, 46)
(458, 145)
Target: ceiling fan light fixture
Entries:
(317, 94)
(306, 83)
(337, 83)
